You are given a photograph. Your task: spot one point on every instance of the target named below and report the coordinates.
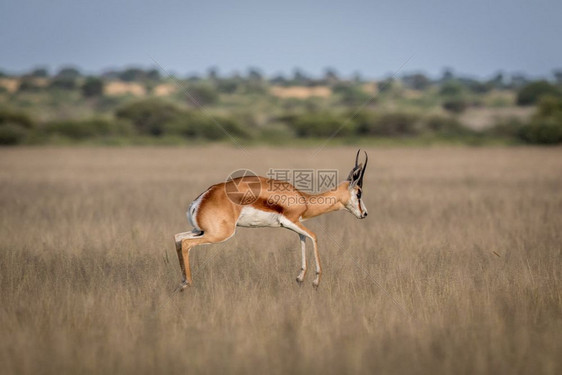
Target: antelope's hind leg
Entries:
(188, 240)
(183, 246)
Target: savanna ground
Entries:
(457, 269)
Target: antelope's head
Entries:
(355, 204)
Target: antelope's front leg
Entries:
(302, 274)
(316, 281)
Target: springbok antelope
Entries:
(217, 212)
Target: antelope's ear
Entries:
(354, 176)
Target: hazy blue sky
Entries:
(373, 37)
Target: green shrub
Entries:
(542, 131)
(275, 133)
(387, 85)
(14, 127)
(109, 103)
(506, 128)
(391, 124)
(63, 83)
(39, 72)
(12, 134)
(228, 128)
(478, 87)
(87, 129)
(455, 105)
(132, 75)
(549, 106)
(445, 126)
(29, 85)
(321, 124)
(195, 124)
(532, 92)
(364, 121)
(228, 86)
(8, 116)
(92, 87)
(451, 88)
(149, 116)
(254, 87)
(68, 72)
(351, 94)
(546, 125)
(203, 94)
(416, 81)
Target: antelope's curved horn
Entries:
(360, 182)
(357, 157)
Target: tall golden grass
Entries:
(457, 269)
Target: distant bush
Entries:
(21, 119)
(109, 103)
(132, 74)
(545, 126)
(254, 87)
(549, 106)
(11, 134)
(364, 121)
(416, 81)
(478, 87)
(228, 86)
(445, 126)
(153, 74)
(276, 133)
(542, 131)
(403, 124)
(28, 84)
(388, 85)
(39, 72)
(351, 94)
(228, 127)
(92, 87)
(320, 124)
(68, 72)
(451, 88)
(149, 116)
(455, 105)
(64, 83)
(532, 92)
(14, 127)
(86, 129)
(390, 124)
(204, 94)
(509, 128)
(198, 125)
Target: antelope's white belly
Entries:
(252, 217)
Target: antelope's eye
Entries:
(358, 194)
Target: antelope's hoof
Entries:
(299, 281)
(183, 285)
(315, 284)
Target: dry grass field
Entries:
(457, 269)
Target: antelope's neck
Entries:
(318, 204)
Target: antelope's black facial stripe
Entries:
(359, 194)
